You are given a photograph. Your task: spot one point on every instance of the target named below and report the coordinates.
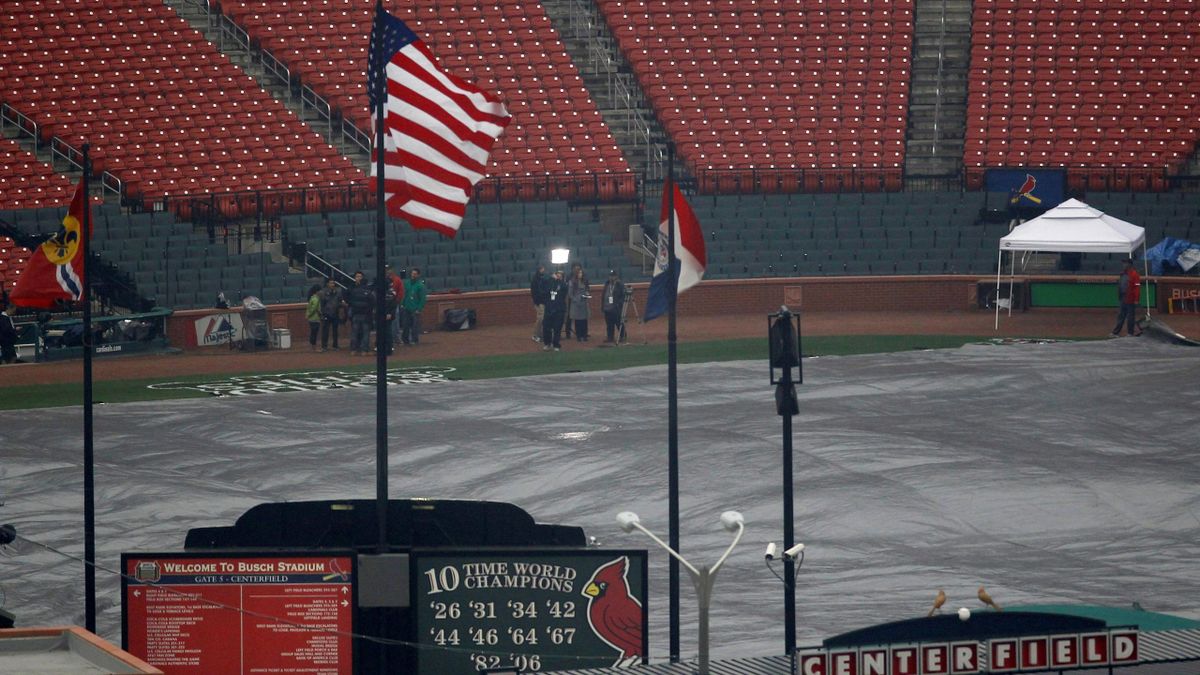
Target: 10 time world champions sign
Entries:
(530, 610)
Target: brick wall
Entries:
(740, 296)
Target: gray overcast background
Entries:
(1062, 472)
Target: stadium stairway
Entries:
(937, 104)
(608, 76)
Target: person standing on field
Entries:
(312, 313)
(331, 305)
(1129, 291)
(538, 287)
(556, 312)
(612, 303)
(413, 304)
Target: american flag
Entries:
(438, 129)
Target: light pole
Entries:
(784, 348)
(703, 577)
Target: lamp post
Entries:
(703, 577)
(784, 348)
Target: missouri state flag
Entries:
(689, 250)
(55, 270)
(438, 129)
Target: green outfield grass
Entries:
(511, 365)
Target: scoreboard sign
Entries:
(529, 610)
(241, 614)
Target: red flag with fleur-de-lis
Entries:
(55, 270)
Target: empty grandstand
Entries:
(819, 137)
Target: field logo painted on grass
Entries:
(315, 381)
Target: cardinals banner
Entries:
(1028, 188)
(55, 270)
(529, 610)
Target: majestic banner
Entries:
(218, 329)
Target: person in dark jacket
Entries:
(8, 334)
(361, 299)
(576, 272)
(397, 281)
(538, 288)
(612, 303)
(556, 312)
(383, 335)
(331, 303)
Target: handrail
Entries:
(25, 125)
(327, 269)
(937, 101)
(277, 68)
(240, 36)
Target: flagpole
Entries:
(89, 477)
(381, 426)
(672, 410)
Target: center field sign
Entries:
(529, 610)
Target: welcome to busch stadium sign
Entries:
(1000, 655)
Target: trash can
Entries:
(281, 338)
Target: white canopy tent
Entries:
(1072, 227)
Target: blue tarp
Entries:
(1166, 252)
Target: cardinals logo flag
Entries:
(689, 250)
(614, 615)
(55, 270)
(438, 129)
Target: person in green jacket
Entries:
(413, 304)
(313, 314)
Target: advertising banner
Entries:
(218, 329)
(243, 614)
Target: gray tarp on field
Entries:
(1047, 472)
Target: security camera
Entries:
(793, 552)
(770, 551)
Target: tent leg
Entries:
(1145, 280)
(1012, 272)
(999, 266)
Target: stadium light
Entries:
(703, 578)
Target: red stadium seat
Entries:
(1091, 73)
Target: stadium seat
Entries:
(1100, 70)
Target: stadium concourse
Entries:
(515, 339)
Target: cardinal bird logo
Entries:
(614, 614)
(1026, 191)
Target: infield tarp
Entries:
(1050, 473)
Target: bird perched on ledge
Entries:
(986, 599)
(938, 602)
